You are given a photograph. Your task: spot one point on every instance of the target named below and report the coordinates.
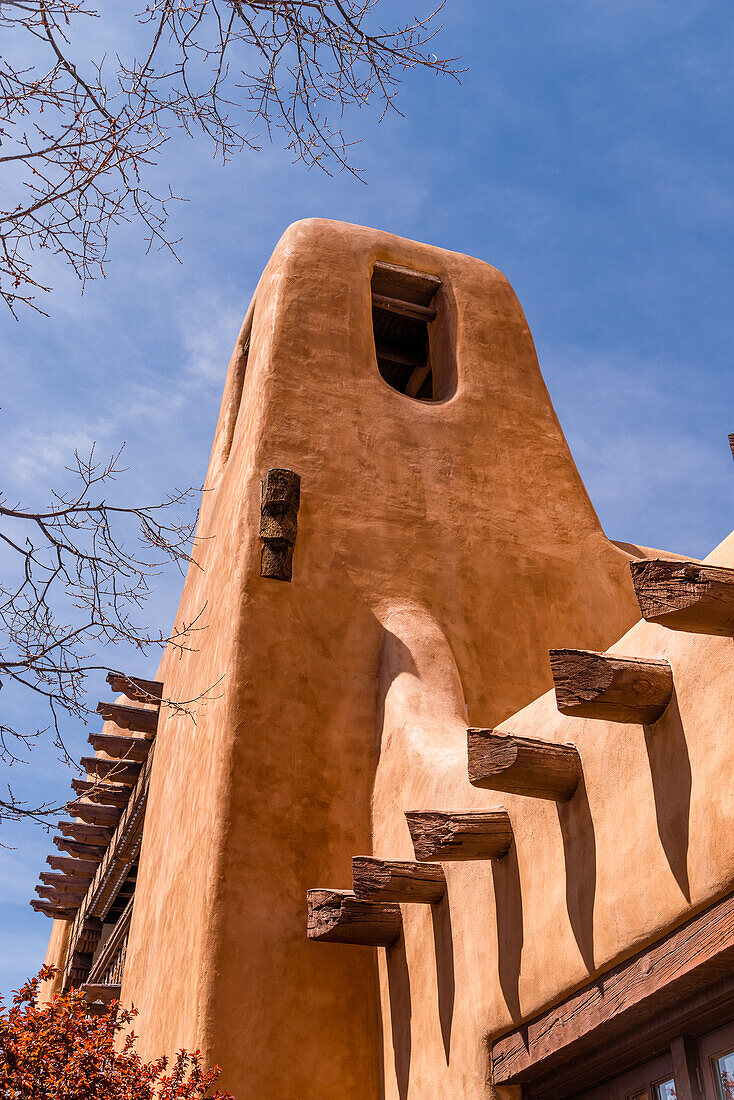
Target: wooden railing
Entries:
(110, 962)
(122, 852)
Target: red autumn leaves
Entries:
(60, 1051)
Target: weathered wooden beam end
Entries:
(55, 912)
(98, 835)
(279, 504)
(83, 868)
(57, 897)
(453, 835)
(115, 771)
(337, 916)
(684, 595)
(94, 814)
(120, 745)
(106, 794)
(135, 688)
(615, 689)
(81, 851)
(101, 994)
(136, 719)
(522, 765)
(397, 880)
(67, 884)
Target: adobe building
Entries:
(455, 816)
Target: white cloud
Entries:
(208, 333)
(36, 457)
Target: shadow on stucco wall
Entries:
(670, 769)
(398, 979)
(579, 852)
(510, 935)
(443, 942)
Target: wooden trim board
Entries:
(626, 1013)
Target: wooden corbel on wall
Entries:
(281, 496)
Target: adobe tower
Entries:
(393, 538)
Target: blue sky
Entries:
(588, 154)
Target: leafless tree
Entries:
(80, 134)
(75, 587)
(82, 130)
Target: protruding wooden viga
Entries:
(107, 794)
(97, 993)
(56, 912)
(522, 765)
(137, 719)
(397, 880)
(120, 745)
(136, 688)
(617, 689)
(98, 835)
(67, 884)
(80, 850)
(115, 771)
(94, 814)
(337, 916)
(83, 868)
(453, 835)
(684, 595)
(58, 897)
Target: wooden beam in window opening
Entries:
(522, 765)
(616, 689)
(404, 309)
(397, 880)
(454, 835)
(401, 313)
(337, 916)
(136, 719)
(135, 688)
(404, 283)
(683, 595)
(399, 357)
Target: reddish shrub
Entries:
(61, 1051)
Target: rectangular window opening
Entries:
(401, 313)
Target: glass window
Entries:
(725, 1075)
(665, 1090)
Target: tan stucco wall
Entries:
(645, 842)
(442, 549)
(58, 945)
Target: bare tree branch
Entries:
(72, 586)
(79, 135)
